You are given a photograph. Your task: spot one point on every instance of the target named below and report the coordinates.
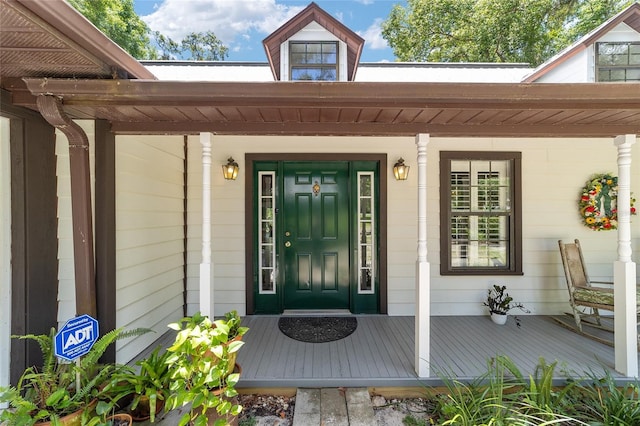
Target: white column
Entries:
(423, 285)
(624, 270)
(206, 267)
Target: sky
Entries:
(241, 25)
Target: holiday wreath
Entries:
(598, 203)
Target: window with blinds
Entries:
(479, 216)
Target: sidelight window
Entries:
(366, 233)
(266, 240)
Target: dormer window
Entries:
(314, 61)
(313, 46)
(618, 61)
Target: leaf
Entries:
(184, 420)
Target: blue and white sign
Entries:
(76, 337)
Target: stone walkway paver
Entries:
(333, 407)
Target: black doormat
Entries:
(317, 329)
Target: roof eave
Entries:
(74, 25)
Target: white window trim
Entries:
(302, 37)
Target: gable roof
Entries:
(629, 16)
(313, 13)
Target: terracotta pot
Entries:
(232, 357)
(73, 419)
(121, 419)
(142, 411)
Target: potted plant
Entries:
(147, 384)
(500, 303)
(60, 392)
(106, 415)
(236, 331)
(198, 362)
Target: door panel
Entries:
(316, 235)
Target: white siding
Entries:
(5, 252)
(576, 69)
(194, 221)
(66, 272)
(550, 194)
(149, 236)
(622, 32)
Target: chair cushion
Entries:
(601, 296)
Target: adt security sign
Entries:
(76, 337)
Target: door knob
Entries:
(287, 244)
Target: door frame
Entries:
(250, 258)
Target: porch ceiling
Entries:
(370, 109)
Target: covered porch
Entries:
(380, 353)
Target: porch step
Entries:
(333, 407)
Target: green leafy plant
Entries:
(105, 415)
(148, 383)
(198, 364)
(51, 391)
(601, 401)
(499, 302)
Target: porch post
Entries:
(423, 285)
(206, 268)
(624, 270)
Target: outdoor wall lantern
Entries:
(230, 170)
(401, 170)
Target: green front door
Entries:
(315, 235)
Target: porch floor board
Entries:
(381, 352)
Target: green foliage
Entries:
(499, 301)
(602, 402)
(169, 49)
(504, 396)
(202, 46)
(199, 360)
(52, 391)
(412, 421)
(148, 383)
(251, 421)
(119, 21)
(491, 30)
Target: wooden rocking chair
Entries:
(586, 300)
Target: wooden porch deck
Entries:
(381, 352)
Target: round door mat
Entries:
(317, 329)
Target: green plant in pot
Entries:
(236, 331)
(199, 361)
(148, 385)
(500, 303)
(51, 392)
(106, 415)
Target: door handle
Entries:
(287, 244)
